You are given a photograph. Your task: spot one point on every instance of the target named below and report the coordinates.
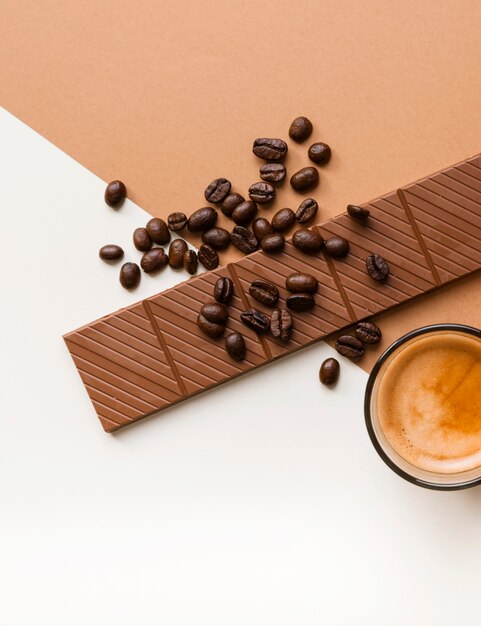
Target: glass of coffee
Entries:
(423, 406)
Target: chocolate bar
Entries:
(150, 355)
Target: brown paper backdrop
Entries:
(169, 95)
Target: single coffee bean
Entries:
(214, 312)
(281, 324)
(357, 212)
(202, 219)
(306, 211)
(265, 292)
(115, 193)
(301, 283)
(111, 252)
(208, 257)
(235, 346)
(218, 238)
(243, 239)
(300, 302)
(211, 329)
(153, 260)
(261, 227)
(217, 190)
(259, 322)
(270, 149)
(350, 346)
(273, 172)
(377, 267)
(177, 221)
(223, 290)
(129, 275)
(141, 239)
(273, 243)
(177, 249)
(157, 230)
(244, 212)
(329, 372)
(262, 192)
(300, 129)
(307, 241)
(368, 332)
(190, 261)
(283, 220)
(337, 247)
(305, 178)
(230, 202)
(319, 153)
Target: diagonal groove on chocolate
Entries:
(152, 354)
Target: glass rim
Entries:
(462, 328)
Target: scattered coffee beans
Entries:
(153, 260)
(217, 190)
(235, 346)
(141, 239)
(300, 302)
(264, 291)
(306, 211)
(301, 283)
(368, 332)
(337, 247)
(300, 129)
(211, 329)
(270, 149)
(281, 324)
(262, 192)
(218, 238)
(262, 228)
(307, 241)
(244, 212)
(202, 219)
(259, 322)
(177, 221)
(157, 230)
(306, 178)
(115, 194)
(329, 372)
(190, 261)
(177, 249)
(273, 243)
(208, 257)
(350, 347)
(273, 172)
(283, 220)
(243, 239)
(377, 267)
(223, 290)
(111, 252)
(214, 312)
(230, 202)
(319, 153)
(129, 275)
(357, 212)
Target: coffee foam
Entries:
(429, 402)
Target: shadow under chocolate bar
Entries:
(150, 355)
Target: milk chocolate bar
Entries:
(150, 355)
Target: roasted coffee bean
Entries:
(202, 219)
(329, 372)
(243, 239)
(337, 247)
(319, 153)
(157, 230)
(230, 202)
(350, 346)
(129, 275)
(358, 212)
(262, 192)
(368, 332)
(273, 243)
(259, 322)
(214, 312)
(307, 241)
(273, 172)
(306, 178)
(306, 211)
(218, 238)
(211, 329)
(283, 220)
(264, 291)
(177, 249)
(208, 257)
(261, 227)
(235, 346)
(223, 290)
(301, 283)
(153, 260)
(300, 129)
(217, 190)
(300, 302)
(141, 239)
(244, 212)
(281, 324)
(190, 261)
(115, 193)
(111, 252)
(177, 221)
(377, 267)
(270, 149)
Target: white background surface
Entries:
(261, 502)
